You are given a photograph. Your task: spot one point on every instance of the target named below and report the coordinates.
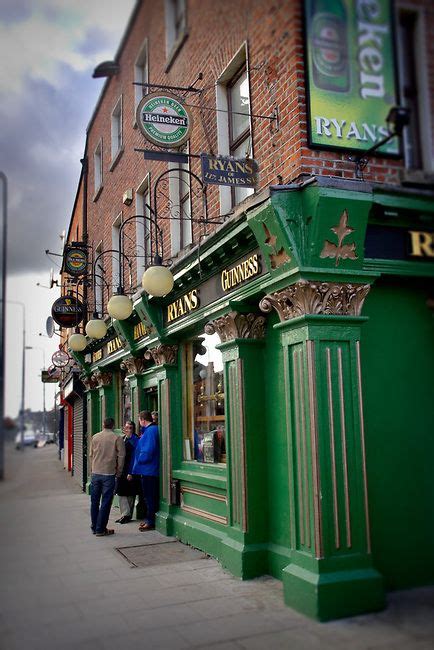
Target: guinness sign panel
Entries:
(67, 311)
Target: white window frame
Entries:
(178, 241)
(141, 75)
(97, 167)
(116, 257)
(174, 37)
(421, 65)
(238, 61)
(99, 283)
(116, 130)
(143, 228)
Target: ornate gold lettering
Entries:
(422, 244)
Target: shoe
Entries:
(123, 520)
(145, 526)
(108, 531)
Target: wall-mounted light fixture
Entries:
(397, 118)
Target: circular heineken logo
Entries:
(76, 261)
(164, 120)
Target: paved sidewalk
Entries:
(62, 588)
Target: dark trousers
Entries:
(102, 488)
(150, 496)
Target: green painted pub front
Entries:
(322, 299)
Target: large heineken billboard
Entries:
(351, 80)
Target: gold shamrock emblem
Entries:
(340, 251)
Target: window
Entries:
(97, 167)
(99, 281)
(141, 74)
(204, 401)
(176, 27)
(181, 232)
(233, 122)
(143, 227)
(412, 72)
(116, 257)
(117, 129)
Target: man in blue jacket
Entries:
(147, 466)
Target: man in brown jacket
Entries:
(107, 452)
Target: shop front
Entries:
(291, 369)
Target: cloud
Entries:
(47, 97)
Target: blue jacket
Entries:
(147, 452)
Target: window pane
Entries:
(206, 443)
(242, 193)
(239, 95)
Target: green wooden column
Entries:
(107, 395)
(92, 402)
(331, 573)
(165, 358)
(243, 548)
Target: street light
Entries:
(23, 377)
(31, 347)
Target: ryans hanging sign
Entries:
(224, 170)
(164, 120)
(350, 62)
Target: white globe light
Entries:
(120, 307)
(96, 329)
(77, 342)
(157, 280)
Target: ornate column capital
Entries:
(133, 365)
(162, 354)
(237, 326)
(89, 382)
(325, 298)
(102, 378)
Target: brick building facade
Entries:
(293, 304)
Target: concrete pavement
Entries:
(62, 588)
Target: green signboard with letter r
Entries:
(351, 73)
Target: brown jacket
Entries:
(107, 451)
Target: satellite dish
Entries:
(50, 326)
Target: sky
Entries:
(48, 50)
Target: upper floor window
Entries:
(176, 26)
(413, 86)
(97, 167)
(233, 122)
(143, 227)
(141, 74)
(116, 130)
(181, 232)
(116, 257)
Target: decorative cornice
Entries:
(162, 354)
(103, 378)
(133, 365)
(326, 298)
(237, 326)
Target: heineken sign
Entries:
(350, 64)
(164, 120)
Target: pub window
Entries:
(143, 227)
(234, 130)
(116, 129)
(97, 167)
(204, 401)
(141, 75)
(413, 87)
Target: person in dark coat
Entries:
(127, 485)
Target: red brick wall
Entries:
(273, 31)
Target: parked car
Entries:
(29, 439)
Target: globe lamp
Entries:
(157, 280)
(77, 342)
(120, 306)
(96, 328)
